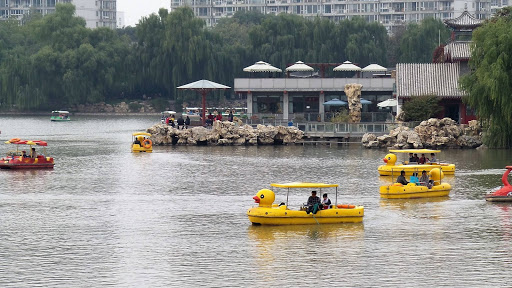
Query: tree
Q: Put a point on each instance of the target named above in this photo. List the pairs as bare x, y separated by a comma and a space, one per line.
489, 83
419, 40
421, 108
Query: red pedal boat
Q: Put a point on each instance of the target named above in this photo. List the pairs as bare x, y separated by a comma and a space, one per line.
504, 194
20, 159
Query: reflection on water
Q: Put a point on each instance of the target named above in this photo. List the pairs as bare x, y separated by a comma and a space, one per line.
107, 217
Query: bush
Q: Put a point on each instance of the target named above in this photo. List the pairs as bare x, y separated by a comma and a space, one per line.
134, 107
340, 117
160, 104
421, 108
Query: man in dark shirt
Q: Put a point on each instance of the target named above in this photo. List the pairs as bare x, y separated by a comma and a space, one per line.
312, 201
181, 123
401, 179
411, 158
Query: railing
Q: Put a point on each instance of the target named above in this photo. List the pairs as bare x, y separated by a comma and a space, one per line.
277, 119
341, 129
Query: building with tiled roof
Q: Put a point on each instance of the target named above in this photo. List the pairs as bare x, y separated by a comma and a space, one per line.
440, 79
465, 22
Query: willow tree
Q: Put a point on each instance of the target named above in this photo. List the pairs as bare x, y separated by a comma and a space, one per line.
489, 83
419, 40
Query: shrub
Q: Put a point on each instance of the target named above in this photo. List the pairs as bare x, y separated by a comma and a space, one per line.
134, 107
160, 104
421, 108
340, 117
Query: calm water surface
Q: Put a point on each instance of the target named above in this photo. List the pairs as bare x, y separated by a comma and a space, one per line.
177, 217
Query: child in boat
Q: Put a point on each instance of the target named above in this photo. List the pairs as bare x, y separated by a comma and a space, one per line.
326, 201
414, 178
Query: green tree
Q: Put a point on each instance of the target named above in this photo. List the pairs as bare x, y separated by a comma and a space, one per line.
419, 40
421, 108
489, 83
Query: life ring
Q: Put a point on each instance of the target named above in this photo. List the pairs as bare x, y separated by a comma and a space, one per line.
147, 143
13, 140
346, 206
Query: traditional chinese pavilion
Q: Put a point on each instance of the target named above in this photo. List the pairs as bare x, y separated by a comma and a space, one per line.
442, 79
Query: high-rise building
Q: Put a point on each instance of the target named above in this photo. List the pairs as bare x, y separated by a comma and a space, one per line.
388, 12
97, 13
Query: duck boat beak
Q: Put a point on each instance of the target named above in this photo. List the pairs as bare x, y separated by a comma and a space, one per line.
256, 199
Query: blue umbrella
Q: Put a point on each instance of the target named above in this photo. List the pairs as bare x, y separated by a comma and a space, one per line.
365, 102
335, 102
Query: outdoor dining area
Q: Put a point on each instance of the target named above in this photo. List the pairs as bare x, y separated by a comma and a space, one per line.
307, 70
316, 91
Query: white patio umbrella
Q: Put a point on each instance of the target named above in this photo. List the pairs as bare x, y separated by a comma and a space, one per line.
300, 67
347, 66
203, 87
261, 66
388, 103
374, 68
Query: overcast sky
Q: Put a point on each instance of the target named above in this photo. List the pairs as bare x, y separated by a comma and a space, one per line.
135, 9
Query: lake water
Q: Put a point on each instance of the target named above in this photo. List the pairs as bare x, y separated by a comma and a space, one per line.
177, 217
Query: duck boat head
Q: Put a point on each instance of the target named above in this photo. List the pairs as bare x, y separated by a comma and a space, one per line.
390, 159
436, 175
265, 198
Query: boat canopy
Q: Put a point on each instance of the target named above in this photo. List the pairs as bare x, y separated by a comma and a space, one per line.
424, 151
303, 185
28, 142
168, 112
60, 111
141, 134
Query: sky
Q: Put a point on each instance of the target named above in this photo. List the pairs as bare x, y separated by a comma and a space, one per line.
136, 9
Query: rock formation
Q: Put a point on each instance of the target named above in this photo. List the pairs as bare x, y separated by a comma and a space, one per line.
432, 133
225, 133
353, 92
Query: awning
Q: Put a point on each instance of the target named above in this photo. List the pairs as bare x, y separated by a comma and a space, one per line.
374, 68
261, 66
347, 66
388, 103
335, 102
299, 66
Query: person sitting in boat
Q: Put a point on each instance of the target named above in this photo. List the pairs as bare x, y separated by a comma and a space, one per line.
401, 179
313, 204
24, 154
424, 180
137, 141
411, 158
414, 178
326, 201
423, 159
433, 158
33, 154
416, 158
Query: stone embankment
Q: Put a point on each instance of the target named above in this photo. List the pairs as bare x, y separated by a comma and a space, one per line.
433, 133
225, 133
120, 108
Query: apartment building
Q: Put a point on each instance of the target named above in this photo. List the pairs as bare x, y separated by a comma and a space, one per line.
390, 13
97, 13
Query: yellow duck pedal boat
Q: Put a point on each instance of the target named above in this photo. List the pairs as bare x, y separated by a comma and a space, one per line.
141, 142
391, 167
268, 213
412, 190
